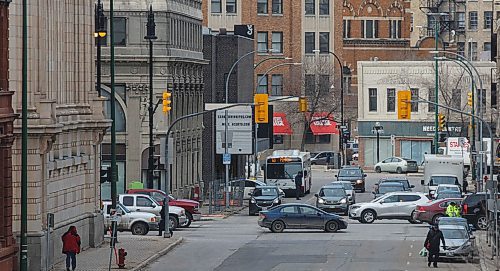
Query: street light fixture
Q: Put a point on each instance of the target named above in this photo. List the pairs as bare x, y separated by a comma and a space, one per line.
99, 34
378, 129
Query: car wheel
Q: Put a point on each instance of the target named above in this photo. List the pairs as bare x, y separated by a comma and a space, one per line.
140, 228
482, 222
412, 221
368, 216
399, 170
331, 226
436, 218
277, 226
378, 170
189, 219
173, 222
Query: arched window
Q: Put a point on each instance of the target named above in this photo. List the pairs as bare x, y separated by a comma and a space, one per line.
119, 113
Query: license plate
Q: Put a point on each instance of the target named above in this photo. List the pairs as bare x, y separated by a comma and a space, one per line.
264, 208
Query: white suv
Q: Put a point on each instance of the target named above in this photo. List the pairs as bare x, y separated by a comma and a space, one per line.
394, 205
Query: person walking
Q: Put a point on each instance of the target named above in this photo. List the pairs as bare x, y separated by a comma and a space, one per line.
452, 210
71, 247
298, 184
432, 242
161, 227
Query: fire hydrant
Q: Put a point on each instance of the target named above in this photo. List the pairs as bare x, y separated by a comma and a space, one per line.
121, 258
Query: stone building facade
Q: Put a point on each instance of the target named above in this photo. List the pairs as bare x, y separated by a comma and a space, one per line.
178, 68
66, 125
7, 244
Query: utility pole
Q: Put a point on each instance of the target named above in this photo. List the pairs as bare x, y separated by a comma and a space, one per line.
151, 35
24, 144
436, 87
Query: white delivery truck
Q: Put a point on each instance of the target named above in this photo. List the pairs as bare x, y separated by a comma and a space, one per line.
442, 169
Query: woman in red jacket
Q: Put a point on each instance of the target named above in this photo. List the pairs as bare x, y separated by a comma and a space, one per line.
71, 247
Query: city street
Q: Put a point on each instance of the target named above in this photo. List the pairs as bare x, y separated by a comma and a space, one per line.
238, 243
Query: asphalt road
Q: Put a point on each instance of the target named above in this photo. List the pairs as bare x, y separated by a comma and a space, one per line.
238, 243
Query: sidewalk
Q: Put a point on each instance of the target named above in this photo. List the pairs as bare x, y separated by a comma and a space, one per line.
485, 252
141, 250
216, 215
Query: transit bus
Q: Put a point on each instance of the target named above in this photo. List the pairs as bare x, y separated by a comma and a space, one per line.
282, 167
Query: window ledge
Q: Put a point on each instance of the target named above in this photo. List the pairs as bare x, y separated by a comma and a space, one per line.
262, 14
277, 14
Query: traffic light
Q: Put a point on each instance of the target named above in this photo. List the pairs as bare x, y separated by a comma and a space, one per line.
105, 174
302, 104
469, 98
441, 121
404, 105
261, 102
166, 101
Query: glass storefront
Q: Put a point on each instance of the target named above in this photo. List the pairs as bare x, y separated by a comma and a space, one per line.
415, 150
370, 150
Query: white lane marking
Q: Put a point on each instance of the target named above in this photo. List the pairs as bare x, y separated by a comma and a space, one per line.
409, 254
407, 263
411, 246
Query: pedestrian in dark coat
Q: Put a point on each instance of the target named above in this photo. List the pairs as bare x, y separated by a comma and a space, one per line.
161, 227
432, 242
71, 247
298, 184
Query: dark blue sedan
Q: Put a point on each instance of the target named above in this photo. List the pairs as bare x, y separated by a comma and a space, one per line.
300, 216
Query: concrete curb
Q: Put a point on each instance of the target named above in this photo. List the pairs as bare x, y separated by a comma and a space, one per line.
158, 255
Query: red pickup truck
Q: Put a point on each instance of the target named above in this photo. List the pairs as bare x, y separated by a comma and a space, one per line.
191, 206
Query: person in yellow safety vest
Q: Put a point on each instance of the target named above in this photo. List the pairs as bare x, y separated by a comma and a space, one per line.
452, 210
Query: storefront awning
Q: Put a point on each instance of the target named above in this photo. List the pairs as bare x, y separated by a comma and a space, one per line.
322, 124
280, 124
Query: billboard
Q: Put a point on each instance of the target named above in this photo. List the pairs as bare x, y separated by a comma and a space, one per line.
239, 130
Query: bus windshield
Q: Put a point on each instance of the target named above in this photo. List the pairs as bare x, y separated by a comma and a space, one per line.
283, 170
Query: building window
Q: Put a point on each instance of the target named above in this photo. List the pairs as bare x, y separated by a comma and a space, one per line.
414, 97
277, 85
324, 42
277, 42
120, 31
310, 42
461, 20
216, 6
473, 51
487, 47
473, 20
347, 29
391, 100
372, 100
230, 6
456, 98
316, 139
461, 48
262, 83
309, 5
395, 29
261, 6
488, 19
324, 7
369, 29
277, 6
431, 96
262, 46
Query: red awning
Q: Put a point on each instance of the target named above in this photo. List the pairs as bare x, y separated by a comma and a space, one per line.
280, 124
323, 124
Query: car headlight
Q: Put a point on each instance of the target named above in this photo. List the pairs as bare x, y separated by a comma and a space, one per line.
276, 200
153, 219
355, 207
321, 201
344, 200
252, 200
359, 181
432, 192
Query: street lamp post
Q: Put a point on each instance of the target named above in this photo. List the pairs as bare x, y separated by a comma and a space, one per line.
151, 35
99, 34
378, 129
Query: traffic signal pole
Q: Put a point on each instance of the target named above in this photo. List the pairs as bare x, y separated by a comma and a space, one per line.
151, 35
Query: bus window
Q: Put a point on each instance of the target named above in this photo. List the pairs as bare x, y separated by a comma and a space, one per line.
283, 171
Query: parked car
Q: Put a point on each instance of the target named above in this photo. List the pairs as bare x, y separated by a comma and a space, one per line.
332, 199
145, 203
300, 216
349, 189
394, 205
402, 180
190, 206
456, 221
321, 157
474, 209
445, 189
459, 243
432, 211
139, 223
387, 187
396, 164
354, 175
263, 198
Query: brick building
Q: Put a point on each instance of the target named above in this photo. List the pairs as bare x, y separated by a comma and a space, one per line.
7, 245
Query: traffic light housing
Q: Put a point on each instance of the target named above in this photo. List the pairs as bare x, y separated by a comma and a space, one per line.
261, 102
404, 104
167, 101
469, 99
441, 122
105, 174
302, 104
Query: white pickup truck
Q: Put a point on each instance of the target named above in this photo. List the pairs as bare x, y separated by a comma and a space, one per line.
139, 223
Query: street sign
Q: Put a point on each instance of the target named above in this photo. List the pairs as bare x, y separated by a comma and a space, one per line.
226, 158
393, 140
239, 130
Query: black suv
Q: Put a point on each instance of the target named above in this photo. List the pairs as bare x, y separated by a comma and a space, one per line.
353, 174
263, 198
474, 210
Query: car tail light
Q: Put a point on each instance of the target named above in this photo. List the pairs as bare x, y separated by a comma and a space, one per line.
421, 208
465, 207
